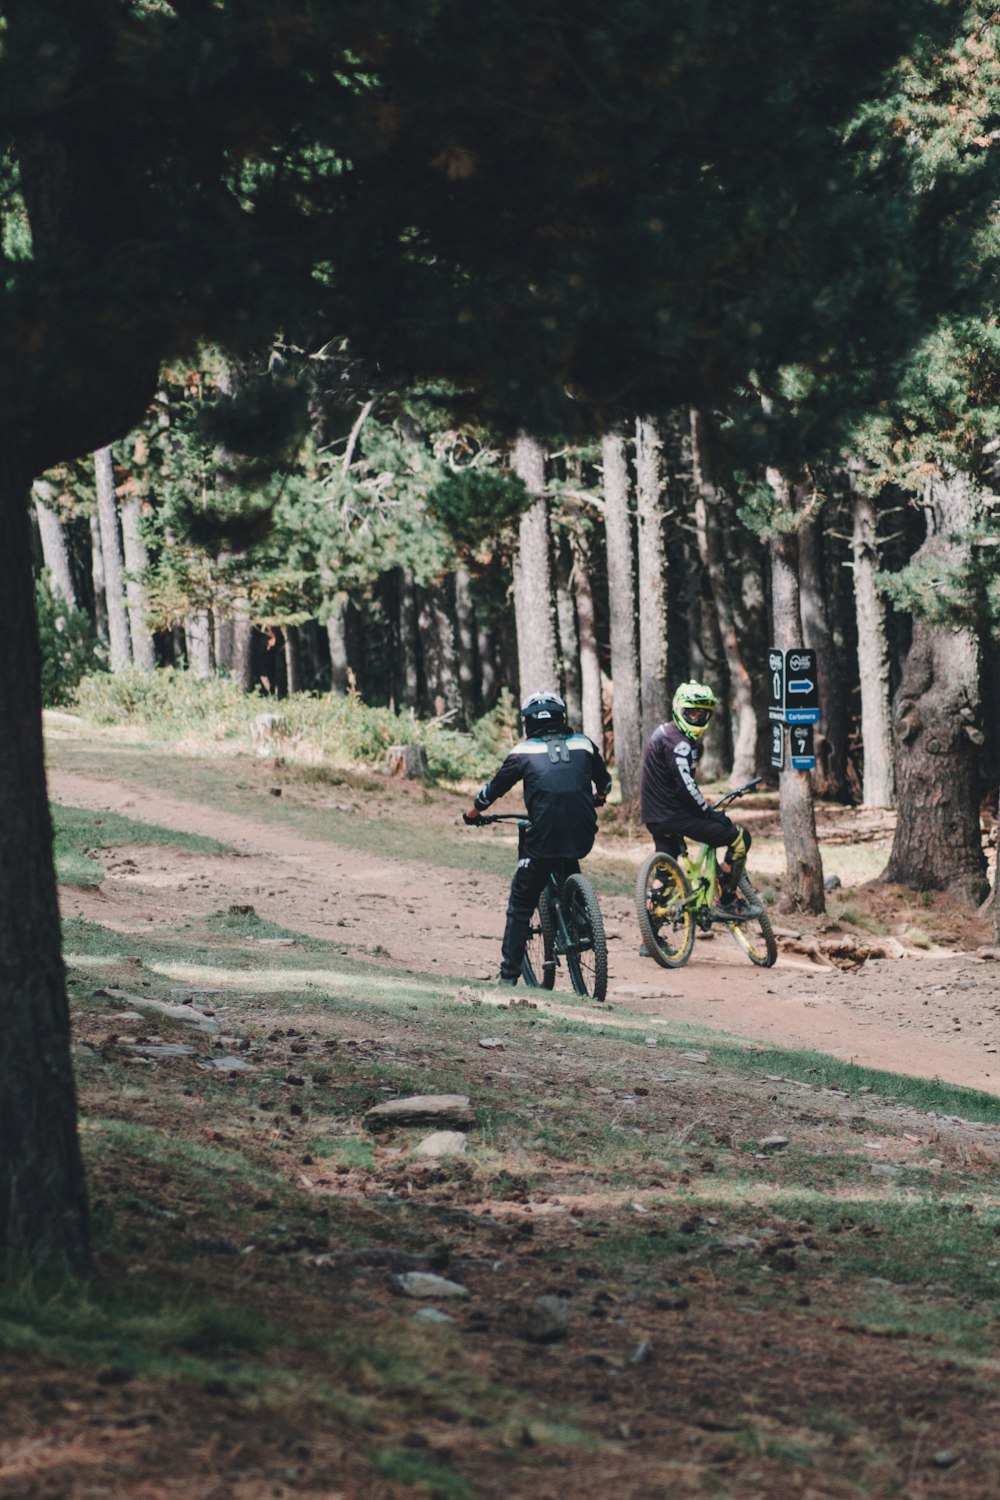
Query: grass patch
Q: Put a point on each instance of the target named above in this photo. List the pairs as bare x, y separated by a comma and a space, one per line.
78, 833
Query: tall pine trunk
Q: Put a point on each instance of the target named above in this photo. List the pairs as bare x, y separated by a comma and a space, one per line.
830, 734
336, 635
626, 708
652, 558
707, 506
114, 562
878, 774
55, 552
803, 865
198, 637
43, 1203
569, 640
537, 666
591, 699
936, 723
437, 638
293, 659
465, 645
136, 561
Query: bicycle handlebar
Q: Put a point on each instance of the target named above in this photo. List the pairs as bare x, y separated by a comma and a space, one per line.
738, 792
500, 818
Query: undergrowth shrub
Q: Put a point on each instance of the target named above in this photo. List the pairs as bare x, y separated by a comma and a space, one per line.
69, 645
170, 705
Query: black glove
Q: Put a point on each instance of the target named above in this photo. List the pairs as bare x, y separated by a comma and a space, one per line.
600, 801
472, 816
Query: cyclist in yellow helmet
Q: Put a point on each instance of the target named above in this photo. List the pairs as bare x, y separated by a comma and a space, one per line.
673, 807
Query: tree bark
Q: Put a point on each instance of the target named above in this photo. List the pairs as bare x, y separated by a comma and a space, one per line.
878, 774
626, 710
337, 638
803, 865
465, 640
43, 1203
54, 549
652, 555
198, 639
136, 561
97, 574
437, 637
487, 647
591, 695
537, 665
711, 549
569, 641
114, 564
936, 723
293, 659
830, 736
409, 674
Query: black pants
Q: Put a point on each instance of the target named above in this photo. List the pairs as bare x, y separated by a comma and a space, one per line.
525, 889
714, 829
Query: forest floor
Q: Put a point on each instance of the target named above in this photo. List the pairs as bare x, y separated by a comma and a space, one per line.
759, 1207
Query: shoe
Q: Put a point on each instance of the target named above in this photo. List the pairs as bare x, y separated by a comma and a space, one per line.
510, 983
644, 951
737, 909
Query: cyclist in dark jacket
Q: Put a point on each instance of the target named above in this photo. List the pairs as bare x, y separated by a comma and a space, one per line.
559, 771
673, 807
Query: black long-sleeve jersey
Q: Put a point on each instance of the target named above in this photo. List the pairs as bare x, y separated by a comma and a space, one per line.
559, 773
669, 789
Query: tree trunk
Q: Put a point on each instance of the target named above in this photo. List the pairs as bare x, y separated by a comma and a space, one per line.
569, 642
293, 661
830, 735
803, 865
337, 638
242, 646
537, 666
878, 776
198, 638
437, 637
136, 561
626, 711
97, 574
591, 696
652, 554
43, 1203
409, 675
54, 549
465, 637
487, 647
114, 565
935, 722
707, 504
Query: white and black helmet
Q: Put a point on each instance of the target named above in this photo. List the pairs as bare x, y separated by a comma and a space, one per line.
543, 713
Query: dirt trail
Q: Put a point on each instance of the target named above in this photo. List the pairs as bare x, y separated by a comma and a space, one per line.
930, 1016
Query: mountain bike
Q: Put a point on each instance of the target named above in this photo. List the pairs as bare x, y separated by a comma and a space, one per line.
566, 924
677, 893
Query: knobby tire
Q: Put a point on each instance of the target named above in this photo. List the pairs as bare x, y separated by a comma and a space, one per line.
588, 965
538, 967
667, 926
756, 937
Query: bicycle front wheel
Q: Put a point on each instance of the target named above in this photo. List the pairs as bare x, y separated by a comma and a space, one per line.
662, 894
587, 954
538, 966
755, 937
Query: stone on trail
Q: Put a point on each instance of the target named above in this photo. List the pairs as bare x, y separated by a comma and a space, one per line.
492, 1043
773, 1143
426, 1284
185, 1013
441, 1143
545, 1321
421, 1109
432, 1315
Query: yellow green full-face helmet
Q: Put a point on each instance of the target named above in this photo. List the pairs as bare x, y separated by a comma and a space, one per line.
693, 705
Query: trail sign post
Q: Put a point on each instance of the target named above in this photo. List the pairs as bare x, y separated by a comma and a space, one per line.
792, 685
778, 747
803, 751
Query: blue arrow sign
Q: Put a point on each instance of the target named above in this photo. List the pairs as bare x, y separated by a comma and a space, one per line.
800, 685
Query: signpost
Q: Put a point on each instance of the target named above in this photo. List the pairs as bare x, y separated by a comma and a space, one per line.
803, 750
778, 747
793, 685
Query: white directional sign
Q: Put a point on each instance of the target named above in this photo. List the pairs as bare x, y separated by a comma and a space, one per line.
778, 747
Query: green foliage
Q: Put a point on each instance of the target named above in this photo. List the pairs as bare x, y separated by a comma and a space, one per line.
170, 705
476, 503
69, 645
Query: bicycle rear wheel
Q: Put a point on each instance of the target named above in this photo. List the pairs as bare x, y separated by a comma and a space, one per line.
538, 966
587, 955
756, 937
661, 896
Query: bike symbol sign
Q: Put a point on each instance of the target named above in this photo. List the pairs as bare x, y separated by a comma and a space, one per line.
778, 747
803, 750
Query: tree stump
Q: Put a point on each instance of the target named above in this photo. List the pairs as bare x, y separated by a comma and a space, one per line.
408, 761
